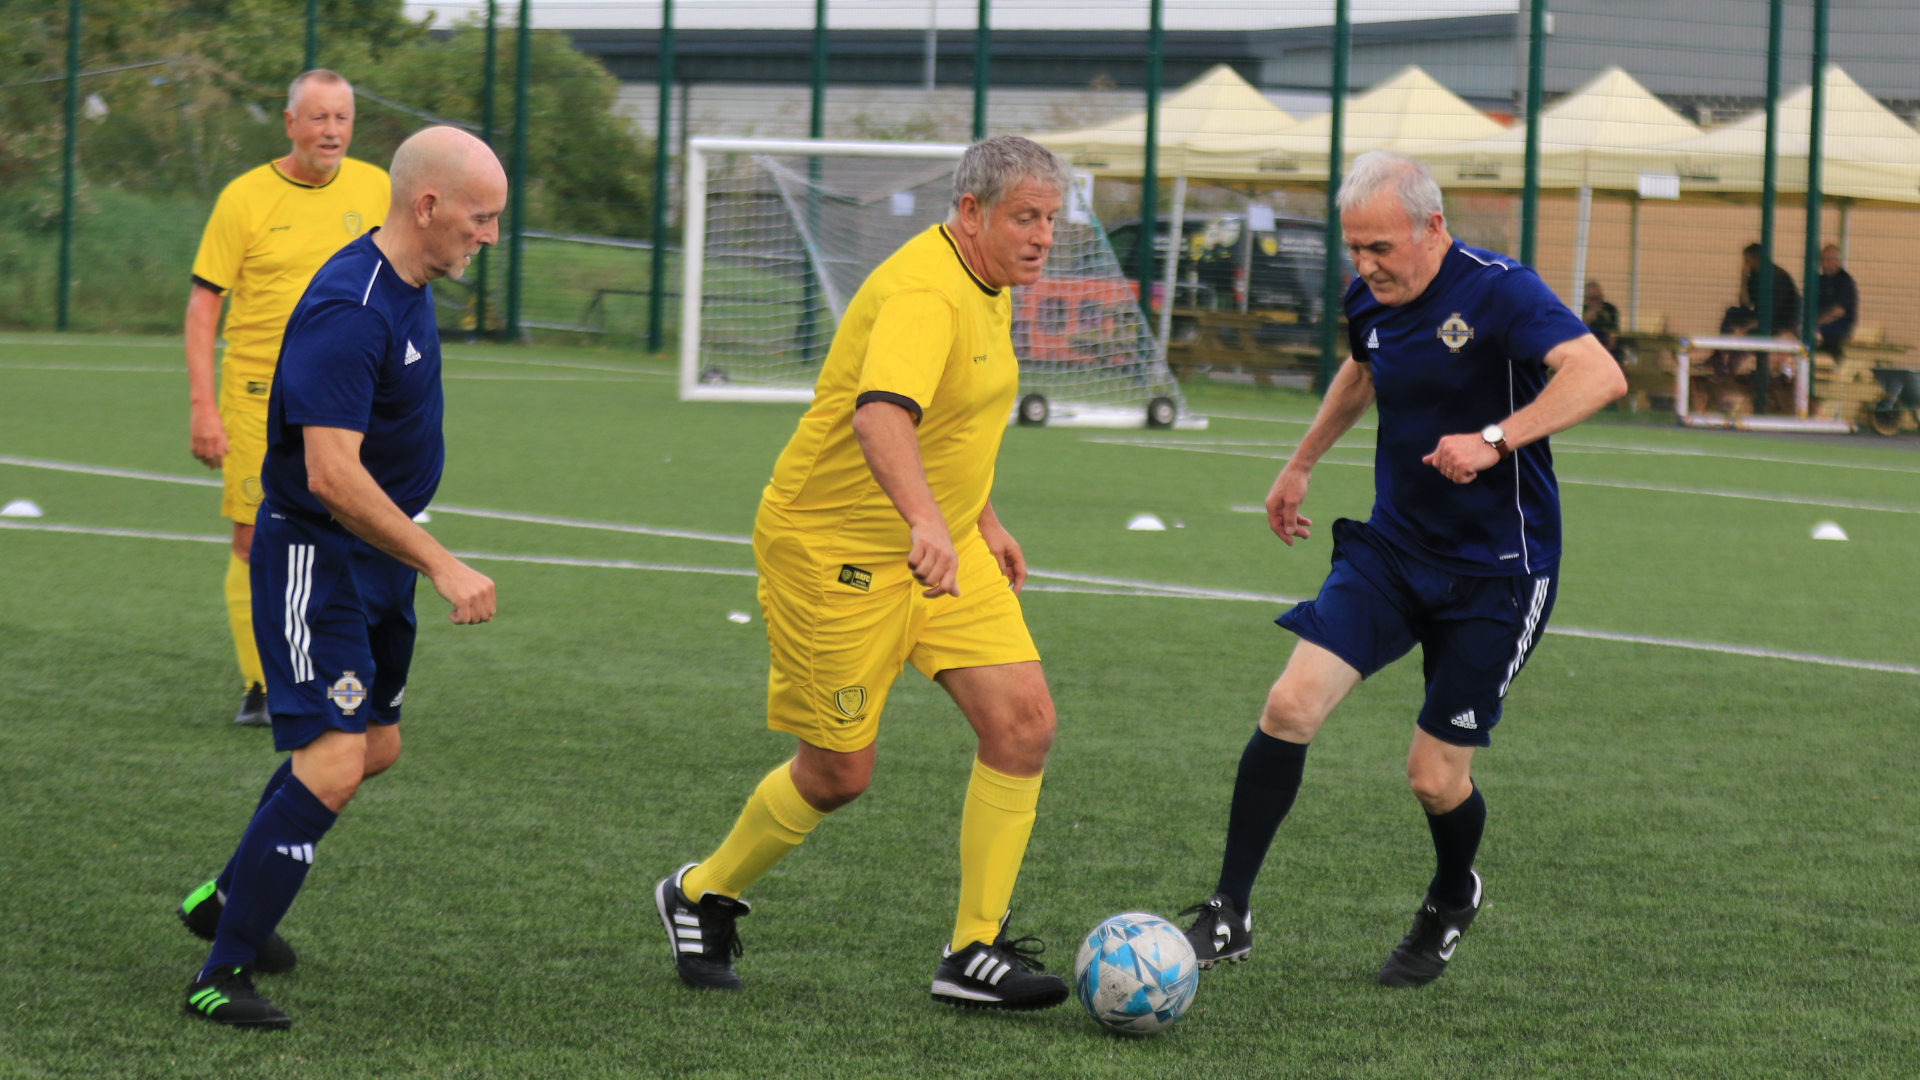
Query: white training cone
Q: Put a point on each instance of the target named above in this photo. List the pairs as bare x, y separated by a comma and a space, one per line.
1146, 523
1828, 530
739, 617
422, 517
22, 508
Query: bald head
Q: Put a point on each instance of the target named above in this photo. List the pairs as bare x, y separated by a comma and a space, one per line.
448, 192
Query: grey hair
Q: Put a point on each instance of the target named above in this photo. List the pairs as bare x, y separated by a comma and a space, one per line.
317, 75
992, 167
1379, 170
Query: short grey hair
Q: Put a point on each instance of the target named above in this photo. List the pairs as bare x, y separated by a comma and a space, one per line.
1379, 170
992, 167
317, 75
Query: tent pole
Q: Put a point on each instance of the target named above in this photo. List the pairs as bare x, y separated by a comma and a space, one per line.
1150, 166
1583, 229
1769, 194
1177, 233
1245, 300
1330, 291
1633, 274
1846, 231
1816, 146
1536, 74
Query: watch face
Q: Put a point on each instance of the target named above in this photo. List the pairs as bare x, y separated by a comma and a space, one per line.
1492, 433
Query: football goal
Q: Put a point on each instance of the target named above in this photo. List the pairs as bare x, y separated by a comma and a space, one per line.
780, 234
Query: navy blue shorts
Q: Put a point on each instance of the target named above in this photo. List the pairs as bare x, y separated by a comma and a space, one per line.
1474, 633
333, 619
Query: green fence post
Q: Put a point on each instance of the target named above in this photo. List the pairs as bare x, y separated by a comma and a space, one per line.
982, 61
1769, 194
517, 247
657, 283
1330, 292
70, 163
1816, 150
486, 136
312, 54
817, 117
1536, 76
1143, 252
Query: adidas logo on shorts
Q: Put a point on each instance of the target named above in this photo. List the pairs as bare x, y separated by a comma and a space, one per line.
1465, 720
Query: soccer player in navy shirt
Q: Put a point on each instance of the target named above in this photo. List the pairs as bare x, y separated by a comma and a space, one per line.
354, 451
1473, 362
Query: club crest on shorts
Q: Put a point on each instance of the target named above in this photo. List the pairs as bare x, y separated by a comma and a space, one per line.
347, 692
856, 577
852, 701
1455, 333
351, 219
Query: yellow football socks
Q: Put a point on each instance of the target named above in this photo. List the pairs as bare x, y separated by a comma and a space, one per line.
773, 823
240, 615
994, 829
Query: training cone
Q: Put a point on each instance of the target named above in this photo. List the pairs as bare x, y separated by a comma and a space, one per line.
1146, 523
1828, 530
22, 508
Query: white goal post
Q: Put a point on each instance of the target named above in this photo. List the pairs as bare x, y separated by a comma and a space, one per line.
780, 234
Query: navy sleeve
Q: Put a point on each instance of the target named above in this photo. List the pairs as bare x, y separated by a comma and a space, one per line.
1356, 325
330, 365
1534, 320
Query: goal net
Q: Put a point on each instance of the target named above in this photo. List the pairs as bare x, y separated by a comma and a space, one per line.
780, 234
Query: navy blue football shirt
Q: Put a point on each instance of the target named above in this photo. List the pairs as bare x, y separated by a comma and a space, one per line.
361, 352
1467, 352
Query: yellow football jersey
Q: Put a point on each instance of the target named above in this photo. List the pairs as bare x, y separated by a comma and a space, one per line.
266, 238
927, 335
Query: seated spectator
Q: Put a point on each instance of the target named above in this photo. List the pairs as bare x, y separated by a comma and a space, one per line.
1839, 303
1786, 297
1602, 319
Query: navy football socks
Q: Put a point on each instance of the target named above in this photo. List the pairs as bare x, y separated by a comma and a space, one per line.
1263, 792
269, 868
224, 883
1456, 840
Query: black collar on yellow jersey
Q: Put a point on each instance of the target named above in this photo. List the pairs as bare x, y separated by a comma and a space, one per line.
948, 237
275, 166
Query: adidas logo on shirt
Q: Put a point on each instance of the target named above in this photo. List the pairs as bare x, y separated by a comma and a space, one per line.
1464, 720
296, 852
412, 353
1373, 339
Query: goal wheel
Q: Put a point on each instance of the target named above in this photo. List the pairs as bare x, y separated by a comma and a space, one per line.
1161, 413
1885, 421
1034, 410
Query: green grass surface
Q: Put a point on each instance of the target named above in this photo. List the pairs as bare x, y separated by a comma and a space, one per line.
1698, 864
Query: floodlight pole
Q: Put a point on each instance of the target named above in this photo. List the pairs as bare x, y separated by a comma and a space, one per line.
70, 163
516, 251
982, 66
1150, 171
657, 282
1816, 153
311, 57
1769, 193
488, 74
1536, 76
1330, 291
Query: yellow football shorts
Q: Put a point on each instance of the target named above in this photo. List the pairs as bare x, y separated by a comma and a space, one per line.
243, 409
839, 633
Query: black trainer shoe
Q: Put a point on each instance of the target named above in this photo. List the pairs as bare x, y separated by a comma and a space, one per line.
228, 997
1422, 955
253, 708
701, 935
1222, 934
1003, 975
200, 914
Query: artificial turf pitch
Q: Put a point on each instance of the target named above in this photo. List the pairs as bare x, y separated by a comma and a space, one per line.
1697, 863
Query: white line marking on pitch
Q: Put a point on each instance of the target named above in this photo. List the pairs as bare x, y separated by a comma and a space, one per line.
530, 362
104, 470
1142, 589
1628, 485
90, 367
579, 523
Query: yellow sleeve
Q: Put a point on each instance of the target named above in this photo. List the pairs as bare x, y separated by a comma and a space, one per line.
224, 244
907, 351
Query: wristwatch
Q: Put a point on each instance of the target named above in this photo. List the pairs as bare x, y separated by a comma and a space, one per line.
1497, 439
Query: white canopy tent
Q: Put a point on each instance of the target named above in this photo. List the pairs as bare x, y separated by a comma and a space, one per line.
1219, 104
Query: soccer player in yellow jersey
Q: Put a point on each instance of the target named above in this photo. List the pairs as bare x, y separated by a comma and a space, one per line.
271, 230
877, 545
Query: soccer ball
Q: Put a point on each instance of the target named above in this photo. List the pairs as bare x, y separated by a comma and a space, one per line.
1136, 974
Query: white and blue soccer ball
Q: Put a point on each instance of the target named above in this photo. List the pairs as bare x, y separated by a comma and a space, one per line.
1136, 974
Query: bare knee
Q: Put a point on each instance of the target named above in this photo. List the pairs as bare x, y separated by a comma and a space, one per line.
332, 766
1017, 740
1438, 789
383, 749
242, 541
1291, 715
830, 780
